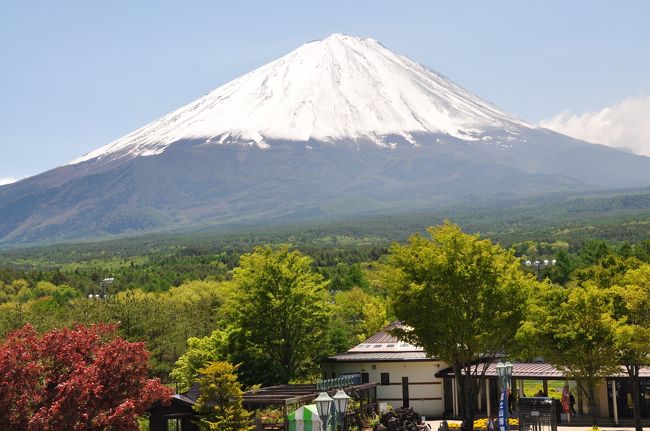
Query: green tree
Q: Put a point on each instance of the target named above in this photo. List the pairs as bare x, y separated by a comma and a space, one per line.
608, 272
593, 251
12, 317
220, 404
642, 251
632, 336
200, 352
561, 271
357, 315
278, 316
574, 329
462, 299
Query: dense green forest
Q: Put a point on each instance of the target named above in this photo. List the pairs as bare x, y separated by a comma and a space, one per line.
169, 288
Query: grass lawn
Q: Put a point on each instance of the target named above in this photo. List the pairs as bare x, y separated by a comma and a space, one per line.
555, 387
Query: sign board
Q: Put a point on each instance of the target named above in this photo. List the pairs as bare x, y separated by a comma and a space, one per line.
503, 405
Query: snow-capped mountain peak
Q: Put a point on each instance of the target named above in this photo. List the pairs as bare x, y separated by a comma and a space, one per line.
340, 87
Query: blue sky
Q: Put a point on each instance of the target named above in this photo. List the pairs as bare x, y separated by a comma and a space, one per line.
76, 75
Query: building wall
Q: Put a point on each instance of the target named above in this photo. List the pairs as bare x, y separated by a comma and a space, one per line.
425, 389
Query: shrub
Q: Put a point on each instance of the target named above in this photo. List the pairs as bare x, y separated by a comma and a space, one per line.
402, 419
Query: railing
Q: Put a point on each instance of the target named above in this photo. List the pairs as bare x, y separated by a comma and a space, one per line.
338, 382
271, 427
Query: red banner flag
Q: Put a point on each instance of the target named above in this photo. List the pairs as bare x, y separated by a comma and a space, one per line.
566, 406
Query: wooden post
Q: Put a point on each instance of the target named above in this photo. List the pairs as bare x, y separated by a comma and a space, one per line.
285, 410
579, 394
545, 386
614, 402
454, 392
480, 396
488, 402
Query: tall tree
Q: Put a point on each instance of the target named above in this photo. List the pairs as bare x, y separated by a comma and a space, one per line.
220, 404
199, 353
632, 336
357, 315
462, 299
574, 329
278, 316
82, 379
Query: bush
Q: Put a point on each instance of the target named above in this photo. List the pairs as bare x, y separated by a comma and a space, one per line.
402, 419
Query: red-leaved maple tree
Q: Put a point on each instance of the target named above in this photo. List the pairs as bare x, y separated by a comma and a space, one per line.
76, 379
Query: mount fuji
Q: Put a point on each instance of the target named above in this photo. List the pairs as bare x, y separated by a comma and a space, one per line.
338, 126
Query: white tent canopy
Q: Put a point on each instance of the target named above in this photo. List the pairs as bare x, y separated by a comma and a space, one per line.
305, 419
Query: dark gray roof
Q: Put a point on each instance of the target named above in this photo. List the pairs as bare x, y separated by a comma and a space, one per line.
383, 346
190, 396
534, 370
383, 336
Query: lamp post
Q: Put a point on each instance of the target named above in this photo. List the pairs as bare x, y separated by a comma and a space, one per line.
341, 400
504, 373
323, 405
104, 284
539, 264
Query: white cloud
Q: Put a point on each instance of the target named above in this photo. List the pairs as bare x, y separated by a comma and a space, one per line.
625, 125
8, 180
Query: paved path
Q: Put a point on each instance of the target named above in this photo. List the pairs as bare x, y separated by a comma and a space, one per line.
582, 427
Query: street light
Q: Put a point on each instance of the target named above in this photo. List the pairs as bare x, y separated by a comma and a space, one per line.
323, 405
341, 402
504, 373
539, 264
104, 284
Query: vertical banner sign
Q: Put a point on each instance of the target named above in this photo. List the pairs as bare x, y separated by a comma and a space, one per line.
503, 405
566, 407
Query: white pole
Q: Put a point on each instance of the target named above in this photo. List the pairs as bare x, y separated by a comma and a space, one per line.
614, 403
455, 400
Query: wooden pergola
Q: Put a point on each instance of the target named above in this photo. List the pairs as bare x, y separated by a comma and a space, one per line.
291, 397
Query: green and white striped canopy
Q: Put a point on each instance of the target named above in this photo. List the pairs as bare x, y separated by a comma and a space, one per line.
305, 419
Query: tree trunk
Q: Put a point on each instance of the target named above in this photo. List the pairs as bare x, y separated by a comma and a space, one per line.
460, 388
467, 392
467, 385
470, 402
590, 393
592, 402
633, 372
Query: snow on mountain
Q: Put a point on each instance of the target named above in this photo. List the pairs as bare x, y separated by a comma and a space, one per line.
341, 87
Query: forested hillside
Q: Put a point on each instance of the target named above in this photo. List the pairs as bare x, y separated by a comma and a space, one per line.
167, 289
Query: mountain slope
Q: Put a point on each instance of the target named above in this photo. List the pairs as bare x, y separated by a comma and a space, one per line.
341, 87
337, 126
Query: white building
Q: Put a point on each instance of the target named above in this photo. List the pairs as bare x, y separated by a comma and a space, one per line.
406, 376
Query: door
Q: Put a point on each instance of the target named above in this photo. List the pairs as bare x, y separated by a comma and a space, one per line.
405, 391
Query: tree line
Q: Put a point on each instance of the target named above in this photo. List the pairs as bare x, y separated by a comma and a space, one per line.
277, 312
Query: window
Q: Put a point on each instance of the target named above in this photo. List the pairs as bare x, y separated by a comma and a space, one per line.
174, 425
365, 378
385, 379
